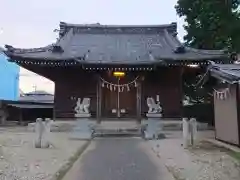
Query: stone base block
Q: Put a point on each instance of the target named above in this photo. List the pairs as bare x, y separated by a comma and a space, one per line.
82, 130
83, 115
81, 135
154, 115
153, 136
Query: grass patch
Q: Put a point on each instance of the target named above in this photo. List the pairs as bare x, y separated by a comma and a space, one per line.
63, 171
235, 155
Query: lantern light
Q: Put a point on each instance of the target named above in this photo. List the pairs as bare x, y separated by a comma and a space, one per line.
119, 74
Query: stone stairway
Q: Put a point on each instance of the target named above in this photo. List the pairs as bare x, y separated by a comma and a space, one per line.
117, 128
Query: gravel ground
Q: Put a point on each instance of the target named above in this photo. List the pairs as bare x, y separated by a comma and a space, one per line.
203, 162
19, 160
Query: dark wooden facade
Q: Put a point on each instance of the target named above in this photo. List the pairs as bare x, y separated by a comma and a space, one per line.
76, 82
165, 82
86, 54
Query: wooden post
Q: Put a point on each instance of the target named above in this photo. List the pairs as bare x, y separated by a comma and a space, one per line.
238, 110
99, 100
181, 89
54, 113
139, 94
97, 92
20, 116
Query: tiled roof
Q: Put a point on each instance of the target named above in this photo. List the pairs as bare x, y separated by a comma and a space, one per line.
115, 44
38, 96
226, 72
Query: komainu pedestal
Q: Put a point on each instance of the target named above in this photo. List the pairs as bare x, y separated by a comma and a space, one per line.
154, 116
83, 128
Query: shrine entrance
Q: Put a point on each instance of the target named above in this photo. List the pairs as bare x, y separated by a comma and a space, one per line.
119, 95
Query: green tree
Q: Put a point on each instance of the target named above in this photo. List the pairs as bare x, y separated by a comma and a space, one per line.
211, 24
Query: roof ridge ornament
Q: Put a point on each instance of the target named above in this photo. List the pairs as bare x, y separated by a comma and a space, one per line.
180, 50
151, 57
57, 49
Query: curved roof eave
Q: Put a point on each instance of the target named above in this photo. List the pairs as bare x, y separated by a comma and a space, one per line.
168, 52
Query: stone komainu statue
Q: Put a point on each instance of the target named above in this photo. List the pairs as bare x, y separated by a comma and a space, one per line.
82, 107
153, 106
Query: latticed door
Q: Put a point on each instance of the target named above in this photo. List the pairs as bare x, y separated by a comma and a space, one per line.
119, 97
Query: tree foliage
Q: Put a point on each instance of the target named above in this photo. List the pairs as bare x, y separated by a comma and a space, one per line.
211, 24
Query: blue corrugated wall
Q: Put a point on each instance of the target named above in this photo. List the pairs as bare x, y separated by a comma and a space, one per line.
9, 79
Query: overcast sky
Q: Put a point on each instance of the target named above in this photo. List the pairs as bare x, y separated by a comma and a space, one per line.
30, 23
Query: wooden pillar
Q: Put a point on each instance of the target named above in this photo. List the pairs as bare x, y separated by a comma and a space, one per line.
97, 92
181, 88
139, 95
238, 111
54, 102
20, 116
99, 100
54, 112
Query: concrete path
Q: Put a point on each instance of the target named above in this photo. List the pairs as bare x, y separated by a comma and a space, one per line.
118, 159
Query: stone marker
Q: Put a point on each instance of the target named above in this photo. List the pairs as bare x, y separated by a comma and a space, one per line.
46, 133
185, 128
193, 130
38, 131
42, 130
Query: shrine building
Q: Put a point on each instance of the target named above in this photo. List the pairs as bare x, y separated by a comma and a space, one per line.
117, 66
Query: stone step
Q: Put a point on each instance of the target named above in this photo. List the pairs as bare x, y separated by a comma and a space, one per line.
66, 126
115, 133
177, 125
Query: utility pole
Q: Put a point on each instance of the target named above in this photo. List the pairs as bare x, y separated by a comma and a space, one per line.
35, 88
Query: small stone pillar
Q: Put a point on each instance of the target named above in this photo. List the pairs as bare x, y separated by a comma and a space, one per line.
185, 128
193, 131
39, 132
46, 133
42, 130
